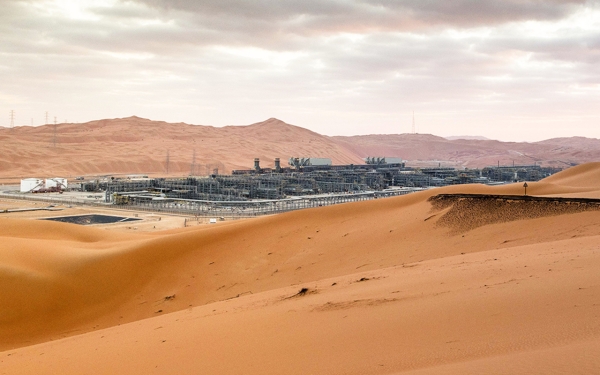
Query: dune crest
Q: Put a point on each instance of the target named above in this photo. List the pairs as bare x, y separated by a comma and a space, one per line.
388, 286
585, 176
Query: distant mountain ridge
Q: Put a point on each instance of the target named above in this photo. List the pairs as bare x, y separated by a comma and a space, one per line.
420, 149
135, 145
467, 137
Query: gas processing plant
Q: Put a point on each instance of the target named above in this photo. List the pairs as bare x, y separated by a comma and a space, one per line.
306, 182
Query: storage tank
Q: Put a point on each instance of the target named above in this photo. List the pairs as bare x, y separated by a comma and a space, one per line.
277, 165
31, 184
56, 182
392, 160
319, 161
303, 162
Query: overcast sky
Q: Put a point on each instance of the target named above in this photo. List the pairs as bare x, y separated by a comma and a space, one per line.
508, 70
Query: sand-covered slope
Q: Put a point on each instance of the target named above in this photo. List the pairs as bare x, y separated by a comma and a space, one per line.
381, 287
136, 145
475, 153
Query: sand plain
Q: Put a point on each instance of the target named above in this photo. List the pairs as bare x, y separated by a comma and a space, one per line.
391, 286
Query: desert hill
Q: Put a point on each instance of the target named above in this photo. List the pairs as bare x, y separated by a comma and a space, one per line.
391, 286
467, 137
134, 145
580, 143
475, 153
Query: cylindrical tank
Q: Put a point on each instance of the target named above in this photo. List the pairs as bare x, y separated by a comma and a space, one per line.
319, 161
277, 165
56, 182
31, 184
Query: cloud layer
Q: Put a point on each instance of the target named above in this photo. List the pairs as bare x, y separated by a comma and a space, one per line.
518, 69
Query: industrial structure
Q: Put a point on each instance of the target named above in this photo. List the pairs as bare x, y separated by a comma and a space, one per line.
38, 185
29, 185
306, 183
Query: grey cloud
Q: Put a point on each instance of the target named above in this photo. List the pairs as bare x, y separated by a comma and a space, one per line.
280, 25
291, 25
476, 12
341, 15
400, 54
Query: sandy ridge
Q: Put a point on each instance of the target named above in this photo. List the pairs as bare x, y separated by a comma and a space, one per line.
389, 289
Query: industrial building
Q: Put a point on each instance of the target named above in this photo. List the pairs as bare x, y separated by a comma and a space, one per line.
38, 185
305, 177
307, 182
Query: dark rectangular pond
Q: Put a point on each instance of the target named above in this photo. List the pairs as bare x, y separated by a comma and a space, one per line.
92, 219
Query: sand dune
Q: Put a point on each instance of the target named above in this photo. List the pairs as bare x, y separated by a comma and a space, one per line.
378, 287
135, 145
586, 176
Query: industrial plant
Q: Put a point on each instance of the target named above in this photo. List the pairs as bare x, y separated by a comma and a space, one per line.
305, 182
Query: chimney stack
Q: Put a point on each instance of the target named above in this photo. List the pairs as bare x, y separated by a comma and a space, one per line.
257, 164
277, 165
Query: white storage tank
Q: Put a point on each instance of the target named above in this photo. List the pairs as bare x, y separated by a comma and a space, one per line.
303, 162
56, 182
319, 161
390, 160
31, 184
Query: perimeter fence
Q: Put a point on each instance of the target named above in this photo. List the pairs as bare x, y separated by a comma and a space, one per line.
216, 209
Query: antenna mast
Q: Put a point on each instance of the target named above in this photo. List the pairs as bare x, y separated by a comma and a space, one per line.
193, 166
12, 118
414, 129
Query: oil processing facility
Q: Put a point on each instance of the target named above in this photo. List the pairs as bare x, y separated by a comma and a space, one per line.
306, 182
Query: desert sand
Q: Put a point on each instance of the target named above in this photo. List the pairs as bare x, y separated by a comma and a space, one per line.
135, 145
429, 150
391, 286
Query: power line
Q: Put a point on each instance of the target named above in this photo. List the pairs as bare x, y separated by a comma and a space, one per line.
193, 166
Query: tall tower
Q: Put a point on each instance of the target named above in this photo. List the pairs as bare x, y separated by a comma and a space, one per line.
414, 129
193, 166
12, 118
167, 162
46, 118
